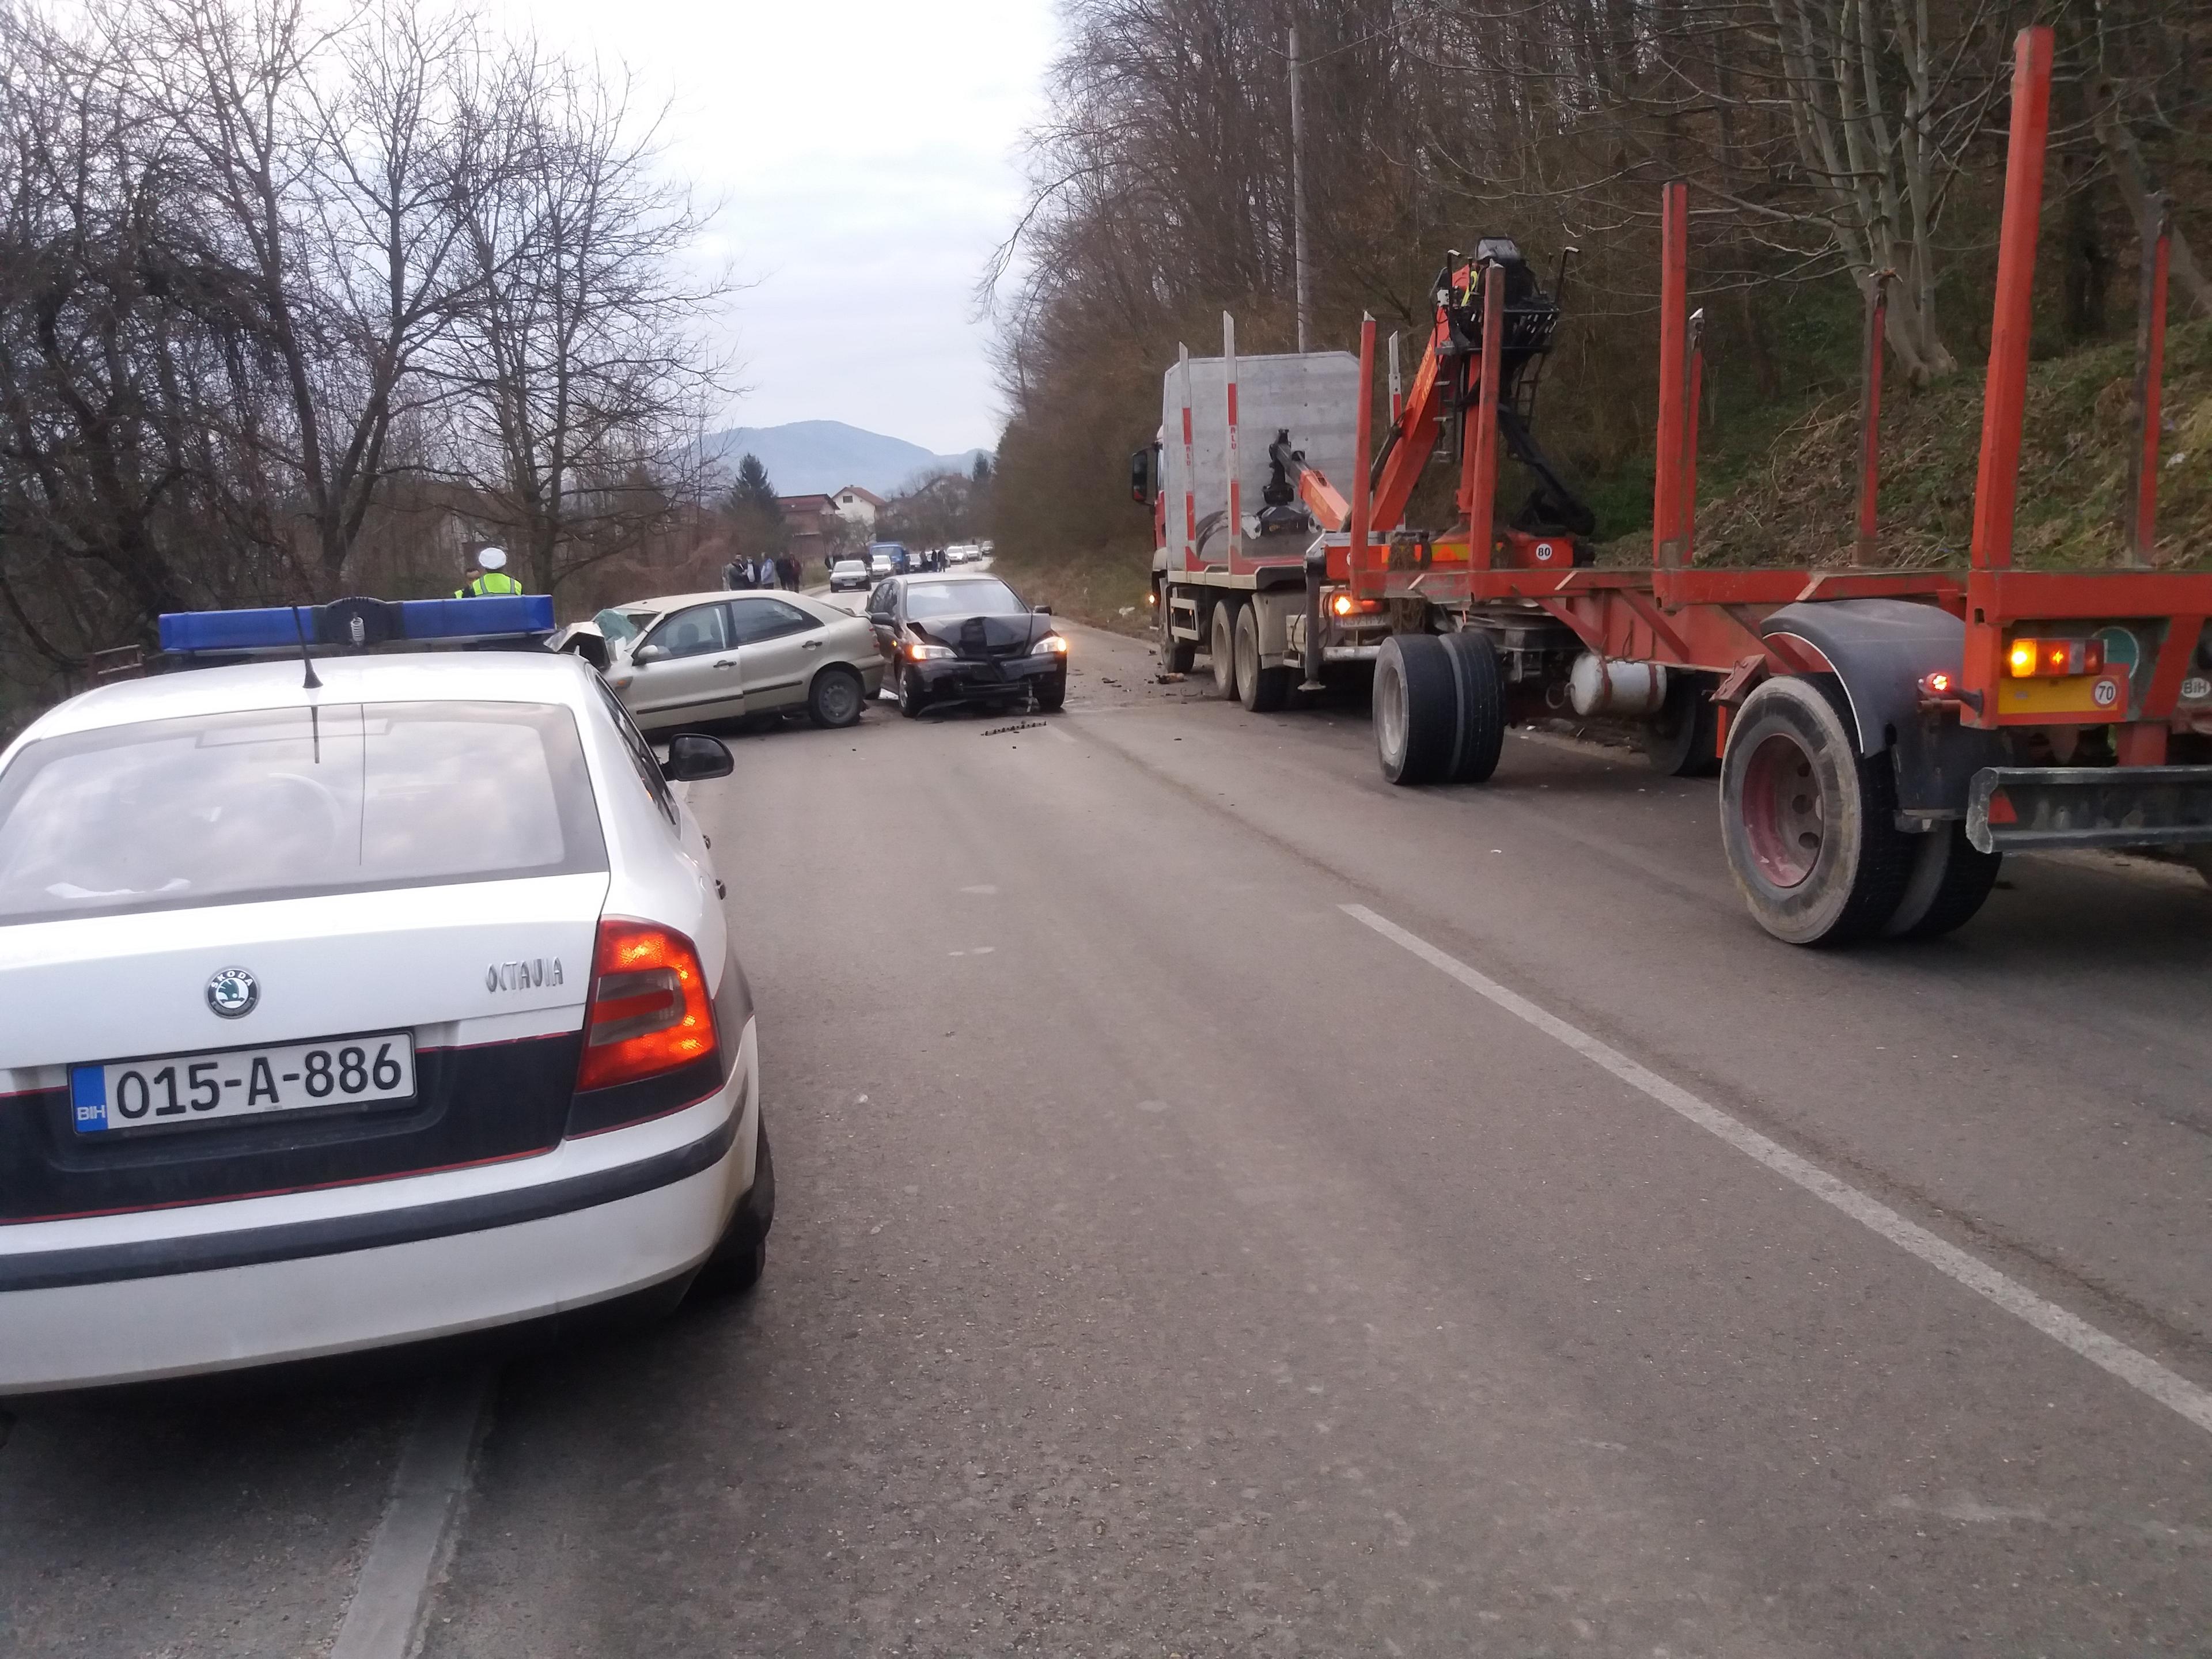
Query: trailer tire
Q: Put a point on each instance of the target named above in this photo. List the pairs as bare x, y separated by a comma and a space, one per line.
1682, 740
1806, 822
1262, 690
1176, 655
1948, 883
1479, 734
1416, 708
1224, 648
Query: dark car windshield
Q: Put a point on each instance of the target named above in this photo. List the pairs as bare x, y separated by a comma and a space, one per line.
986, 598
283, 803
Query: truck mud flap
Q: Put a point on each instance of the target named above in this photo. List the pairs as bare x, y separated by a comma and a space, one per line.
2017, 809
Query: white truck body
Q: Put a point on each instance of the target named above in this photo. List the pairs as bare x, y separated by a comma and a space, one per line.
1312, 395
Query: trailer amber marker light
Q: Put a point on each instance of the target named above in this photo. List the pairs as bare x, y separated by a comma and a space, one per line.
2054, 658
1937, 684
1342, 605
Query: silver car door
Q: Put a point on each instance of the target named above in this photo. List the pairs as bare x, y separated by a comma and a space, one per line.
779, 648
685, 670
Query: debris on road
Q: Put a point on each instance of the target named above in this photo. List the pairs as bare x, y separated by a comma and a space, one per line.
1018, 725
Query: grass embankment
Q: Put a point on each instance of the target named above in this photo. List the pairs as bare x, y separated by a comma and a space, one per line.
1795, 500
1103, 587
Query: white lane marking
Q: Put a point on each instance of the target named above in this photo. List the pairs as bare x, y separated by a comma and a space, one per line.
393, 1590
986, 888
2138, 1370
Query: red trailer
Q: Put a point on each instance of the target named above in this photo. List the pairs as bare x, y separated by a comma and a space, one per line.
1882, 736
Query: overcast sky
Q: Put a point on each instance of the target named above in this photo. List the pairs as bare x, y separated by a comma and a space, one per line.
864, 150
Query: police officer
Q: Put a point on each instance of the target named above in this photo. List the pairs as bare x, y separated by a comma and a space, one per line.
491, 577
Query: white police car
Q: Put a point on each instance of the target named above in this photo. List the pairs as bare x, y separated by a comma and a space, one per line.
397, 1007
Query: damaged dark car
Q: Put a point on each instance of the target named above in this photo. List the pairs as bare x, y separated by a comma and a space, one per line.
967, 639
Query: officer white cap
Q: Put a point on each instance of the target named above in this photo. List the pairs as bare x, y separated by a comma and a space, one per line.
493, 558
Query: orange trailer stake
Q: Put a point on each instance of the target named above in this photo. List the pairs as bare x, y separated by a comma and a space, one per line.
2004, 400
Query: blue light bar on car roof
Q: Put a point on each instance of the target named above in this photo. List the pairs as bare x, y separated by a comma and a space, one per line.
352, 624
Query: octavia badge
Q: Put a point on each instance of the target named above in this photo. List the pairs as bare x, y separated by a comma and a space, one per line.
232, 993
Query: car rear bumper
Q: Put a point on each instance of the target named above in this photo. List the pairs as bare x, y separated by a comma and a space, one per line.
220, 1286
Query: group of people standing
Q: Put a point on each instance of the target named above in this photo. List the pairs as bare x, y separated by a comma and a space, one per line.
741, 572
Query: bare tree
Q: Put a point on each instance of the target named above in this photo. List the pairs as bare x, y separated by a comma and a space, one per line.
578, 367
326, 165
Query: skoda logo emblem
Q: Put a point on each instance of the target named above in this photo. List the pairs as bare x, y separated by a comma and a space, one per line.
232, 993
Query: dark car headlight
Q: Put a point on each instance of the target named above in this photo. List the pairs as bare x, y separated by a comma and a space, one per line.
1053, 644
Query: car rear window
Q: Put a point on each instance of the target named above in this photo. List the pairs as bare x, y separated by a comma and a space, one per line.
283, 803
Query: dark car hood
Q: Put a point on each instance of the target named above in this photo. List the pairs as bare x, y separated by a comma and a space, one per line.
985, 636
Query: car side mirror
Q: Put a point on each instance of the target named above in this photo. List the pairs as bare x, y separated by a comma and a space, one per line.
646, 654
1044, 610
694, 756
592, 650
1141, 483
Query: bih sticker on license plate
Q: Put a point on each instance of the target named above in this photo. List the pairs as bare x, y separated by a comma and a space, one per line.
134, 1094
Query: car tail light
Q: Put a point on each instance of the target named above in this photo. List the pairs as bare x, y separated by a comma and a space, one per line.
649, 1010
2034, 659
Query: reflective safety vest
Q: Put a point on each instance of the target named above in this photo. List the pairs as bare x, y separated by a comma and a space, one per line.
487, 583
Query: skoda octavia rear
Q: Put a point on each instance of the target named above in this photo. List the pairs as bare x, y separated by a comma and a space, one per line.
387, 1009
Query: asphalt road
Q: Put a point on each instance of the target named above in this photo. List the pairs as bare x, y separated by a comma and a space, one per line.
1181, 1252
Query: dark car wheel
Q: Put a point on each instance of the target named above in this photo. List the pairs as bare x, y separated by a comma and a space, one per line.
741, 1257
914, 696
1051, 690
835, 697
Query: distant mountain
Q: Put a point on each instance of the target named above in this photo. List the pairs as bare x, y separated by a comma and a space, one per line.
806, 457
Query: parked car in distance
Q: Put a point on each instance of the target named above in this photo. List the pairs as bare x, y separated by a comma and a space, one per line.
966, 638
849, 573
694, 657
962, 553
897, 560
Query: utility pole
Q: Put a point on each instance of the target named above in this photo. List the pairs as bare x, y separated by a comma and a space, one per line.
1298, 191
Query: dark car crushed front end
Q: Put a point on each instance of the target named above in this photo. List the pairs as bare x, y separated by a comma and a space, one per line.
995, 652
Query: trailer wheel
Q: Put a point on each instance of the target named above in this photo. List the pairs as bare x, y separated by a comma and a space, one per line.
1176, 655
1806, 821
1479, 734
1262, 690
1224, 648
1948, 883
1416, 708
1682, 740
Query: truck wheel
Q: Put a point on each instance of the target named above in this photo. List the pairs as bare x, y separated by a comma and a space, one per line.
1224, 648
1479, 732
1176, 655
1806, 821
1682, 740
1948, 883
1262, 690
1416, 708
